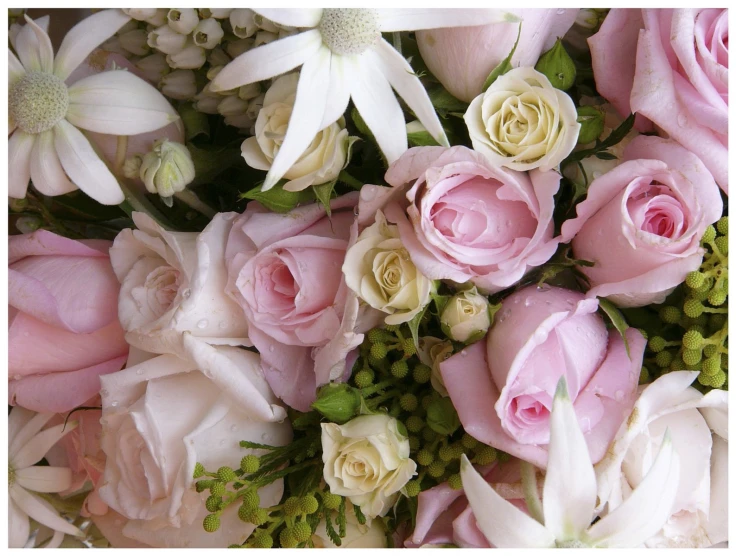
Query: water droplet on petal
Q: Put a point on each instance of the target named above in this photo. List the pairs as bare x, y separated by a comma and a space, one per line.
560, 12
682, 120
619, 395
463, 353
17, 377
114, 403
271, 348
528, 302
186, 293
222, 442
543, 288
139, 372
367, 193
233, 428
203, 323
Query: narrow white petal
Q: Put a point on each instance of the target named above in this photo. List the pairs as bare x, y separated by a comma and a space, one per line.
338, 93
84, 37
647, 509
268, 60
18, 418
32, 424
42, 512
412, 19
19, 526
44, 478
45, 50
42, 22
309, 107
35, 449
569, 485
503, 524
291, 17
33, 47
15, 68
118, 103
55, 541
20, 146
84, 167
379, 108
402, 78
47, 174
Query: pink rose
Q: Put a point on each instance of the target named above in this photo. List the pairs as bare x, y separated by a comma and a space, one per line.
470, 220
641, 223
680, 76
63, 331
463, 57
284, 270
503, 391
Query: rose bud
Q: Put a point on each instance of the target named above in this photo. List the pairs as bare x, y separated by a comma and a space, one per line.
466, 317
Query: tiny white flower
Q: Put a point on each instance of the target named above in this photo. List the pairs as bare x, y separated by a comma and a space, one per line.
179, 84
190, 57
208, 33
183, 20
167, 40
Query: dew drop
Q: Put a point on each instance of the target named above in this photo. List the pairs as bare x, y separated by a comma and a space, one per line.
186, 293
222, 442
682, 120
17, 377
463, 353
139, 372
299, 249
233, 428
26, 334
560, 12
355, 211
528, 302
222, 325
203, 323
619, 395
597, 175
368, 193
271, 348
543, 288
302, 266
114, 403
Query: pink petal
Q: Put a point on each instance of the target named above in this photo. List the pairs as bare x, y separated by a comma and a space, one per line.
43, 242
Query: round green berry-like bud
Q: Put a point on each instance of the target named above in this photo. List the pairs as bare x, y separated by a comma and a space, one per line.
712, 365
292, 506
262, 540
436, 469
695, 279
211, 523
657, 344
677, 364
331, 501
258, 517
414, 424
286, 539
693, 308
251, 499
363, 378
455, 482
692, 356
226, 474
422, 373
309, 504
213, 503
468, 441
709, 235
412, 489
250, 464
408, 347
425, 457
301, 531
198, 470
663, 359
392, 327
376, 336
715, 381
485, 455
217, 488
722, 244
644, 376
427, 401
722, 225
692, 339
710, 350
700, 295
717, 297
408, 402
414, 443
716, 321
428, 434
446, 453
379, 351
644, 333
399, 368
670, 314
203, 485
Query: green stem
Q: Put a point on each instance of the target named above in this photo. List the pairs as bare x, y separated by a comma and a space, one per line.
375, 402
378, 387
120, 154
190, 198
349, 180
139, 203
531, 495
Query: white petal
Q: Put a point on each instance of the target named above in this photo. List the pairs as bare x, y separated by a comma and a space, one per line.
20, 146
647, 509
18, 418
34, 47
56, 540
402, 78
84, 167
309, 107
32, 424
569, 485
268, 60
300, 17
19, 526
84, 37
35, 449
44, 479
118, 103
379, 108
411, 19
46, 172
41, 511
15, 68
338, 93
503, 524
15, 28
717, 525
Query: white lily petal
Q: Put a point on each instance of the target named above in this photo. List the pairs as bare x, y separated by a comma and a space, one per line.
84, 167
28, 48
569, 485
379, 108
45, 50
84, 37
292, 17
413, 19
35, 449
14, 31
647, 509
24, 425
44, 478
19, 526
402, 78
20, 146
503, 524
338, 93
118, 103
309, 107
268, 60
43, 513
46, 172
15, 68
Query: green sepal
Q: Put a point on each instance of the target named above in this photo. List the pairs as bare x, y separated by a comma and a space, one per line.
617, 319
504, 66
277, 198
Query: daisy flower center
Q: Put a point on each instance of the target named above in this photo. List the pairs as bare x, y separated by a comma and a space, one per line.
11, 474
349, 31
38, 101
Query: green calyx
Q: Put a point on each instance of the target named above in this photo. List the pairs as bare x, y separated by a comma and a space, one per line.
558, 67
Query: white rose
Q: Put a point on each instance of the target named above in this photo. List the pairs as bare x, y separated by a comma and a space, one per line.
370, 535
320, 163
162, 416
379, 270
522, 122
433, 351
699, 515
367, 460
174, 282
466, 317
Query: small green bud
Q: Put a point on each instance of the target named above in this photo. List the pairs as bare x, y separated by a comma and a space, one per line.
258, 517
557, 66
167, 169
657, 344
262, 540
286, 539
695, 279
198, 470
591, 121
399, 368
378, 335
408, 402
677, 364
447, 453
17, 205
422, 373
428, 434
663, 359
309, 504
693, 308
414, 443
414, 424
425, 457
722, 226
331, 501
436, 469
338, 402
701, 294
28, 224
485, 455
717, 297
392, 327
217, 488
442, 417
412, 489
709, 235
712, 365
301, 531
379, 351
408, 347
251, 500
213, 503
226, 474
201, 486
722, 244
644, 376
211, 523
710, 350
468, 441
455, 481
250, 464
692, 356
670, 314
716, 321
715, 381
693, 339
363, 378
292, 506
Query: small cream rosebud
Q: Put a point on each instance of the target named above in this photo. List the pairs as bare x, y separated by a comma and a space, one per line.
243, 23
466, 317
213, 71
153, 67
265, 24
167, 169
132, 167
135, 42
208, 33
183, 20
206, 104
191, 57
179, 84
113, 45
167, 40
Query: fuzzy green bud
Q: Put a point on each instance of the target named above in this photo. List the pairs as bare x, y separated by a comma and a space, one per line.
712, 365
692, 356
557, 66
412, 489
428, 434
591, 121
663, 359
485, 455
211, 523
213, 503
199, 470
338, 402
670, 314
425, 457
693, 308
455, 481
167, 169
408, 402
468, 441
442, 417
414, 443
436, 469
657, 344
692, 339
722, 244
422, 373
709, 235
251, 500
378, 335
715, 381
292, 506
695, 279
301, 531
379, 351
399, 368
286, 539
226, 474
258, 517
408, 347
309, 504
414, 424
722, 226
217, 488
262, 540
331, 501
717, 297
644, 376
363, 378
250, 464
710, 350
717, 320
203, 485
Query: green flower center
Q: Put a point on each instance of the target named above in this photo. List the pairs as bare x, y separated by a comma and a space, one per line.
38, 101
349, 31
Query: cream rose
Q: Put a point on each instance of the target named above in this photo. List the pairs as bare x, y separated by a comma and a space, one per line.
522, 122
466, 317
323, 159
433, 351
162, 416
174, 282
379, 270
367, 460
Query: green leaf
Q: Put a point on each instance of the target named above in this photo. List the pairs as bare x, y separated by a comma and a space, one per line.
195, 123
277, 198
359, 514
421, 139
443, 101
606, 156
211, 162
617, 319
414, 325
614, 138
440, 301
504, 66
334, 537
342, 521
323, 193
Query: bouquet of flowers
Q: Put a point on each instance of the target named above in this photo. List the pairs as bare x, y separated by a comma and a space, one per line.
368, 278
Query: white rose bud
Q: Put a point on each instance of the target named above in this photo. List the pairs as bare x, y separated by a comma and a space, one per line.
379, 270
183, 20
367, 460
433, 351
208, 33
153, 67
466, 317
522, 122
241, 121
191, 57
135, 42
167, 40
243, 23
179, 84
167, 169
236, 48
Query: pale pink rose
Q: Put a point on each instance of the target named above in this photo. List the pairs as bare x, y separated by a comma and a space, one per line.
670, 65
64, 332
284, 270
503, 390
463, 57
471, 221
641, 223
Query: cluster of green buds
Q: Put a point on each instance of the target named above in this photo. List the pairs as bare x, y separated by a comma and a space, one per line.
696, 317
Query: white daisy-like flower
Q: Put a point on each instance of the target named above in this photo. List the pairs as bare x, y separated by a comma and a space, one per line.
343, 56
28, 443
45, 112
